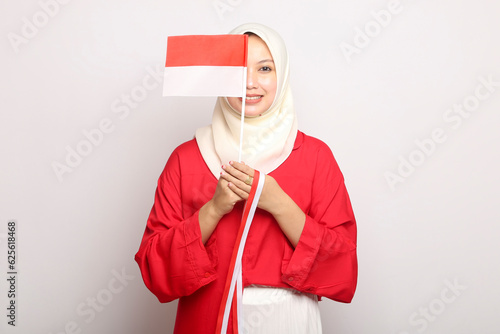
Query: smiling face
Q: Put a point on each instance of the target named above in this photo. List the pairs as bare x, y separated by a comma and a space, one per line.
261, 79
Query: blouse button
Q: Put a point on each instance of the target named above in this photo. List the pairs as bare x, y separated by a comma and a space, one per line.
290, 279
207, 274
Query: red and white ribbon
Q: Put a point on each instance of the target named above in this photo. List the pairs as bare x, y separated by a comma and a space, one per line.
233, 290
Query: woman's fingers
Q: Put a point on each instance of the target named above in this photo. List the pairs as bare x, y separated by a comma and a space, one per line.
238, 191
239, 174
235, 182
240, 166
228, 193
224, 197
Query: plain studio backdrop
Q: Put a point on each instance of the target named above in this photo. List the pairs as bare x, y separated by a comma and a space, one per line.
406, 93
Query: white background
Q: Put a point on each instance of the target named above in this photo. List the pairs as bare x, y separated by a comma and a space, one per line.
435, 227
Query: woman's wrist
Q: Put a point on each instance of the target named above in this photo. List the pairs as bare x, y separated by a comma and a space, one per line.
208, 219
287, 213
276, 201
213, 212
281, 207
210, 214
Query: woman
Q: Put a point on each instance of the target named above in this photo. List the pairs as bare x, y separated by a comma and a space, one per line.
302, 242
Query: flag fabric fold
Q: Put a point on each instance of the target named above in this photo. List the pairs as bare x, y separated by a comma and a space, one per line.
206, 65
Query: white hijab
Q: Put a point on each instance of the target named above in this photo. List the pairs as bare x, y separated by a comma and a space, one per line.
267, 139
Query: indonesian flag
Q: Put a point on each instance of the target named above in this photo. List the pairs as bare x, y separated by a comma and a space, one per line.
216, 65
206, 65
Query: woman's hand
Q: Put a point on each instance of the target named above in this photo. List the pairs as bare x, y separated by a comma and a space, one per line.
273, 199
221, 203
224, 198
240, 176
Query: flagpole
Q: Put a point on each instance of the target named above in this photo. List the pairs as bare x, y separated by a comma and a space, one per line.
243, 98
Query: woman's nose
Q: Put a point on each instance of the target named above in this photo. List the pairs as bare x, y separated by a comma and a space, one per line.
251, 79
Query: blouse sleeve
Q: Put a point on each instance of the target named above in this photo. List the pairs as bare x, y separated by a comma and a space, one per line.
324, 261
172, 258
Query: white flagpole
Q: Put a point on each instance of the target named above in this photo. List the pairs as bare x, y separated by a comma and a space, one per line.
243, 111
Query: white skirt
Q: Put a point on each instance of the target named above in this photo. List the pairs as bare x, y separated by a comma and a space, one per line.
270, 310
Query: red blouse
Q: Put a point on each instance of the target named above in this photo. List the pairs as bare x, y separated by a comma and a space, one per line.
175, 263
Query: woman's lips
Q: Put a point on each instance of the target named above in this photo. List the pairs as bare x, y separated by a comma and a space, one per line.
250, 99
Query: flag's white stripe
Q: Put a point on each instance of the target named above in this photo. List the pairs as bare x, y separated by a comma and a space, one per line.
239, 300
238, 266
229, 300
253, 207
204, 81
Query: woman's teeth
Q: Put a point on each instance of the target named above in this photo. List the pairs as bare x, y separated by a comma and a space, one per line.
253, 97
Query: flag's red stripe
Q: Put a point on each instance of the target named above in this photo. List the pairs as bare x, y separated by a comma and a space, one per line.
246, 212
225, 295
207, 50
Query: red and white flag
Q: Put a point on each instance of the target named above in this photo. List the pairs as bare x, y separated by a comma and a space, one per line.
206, 65
216, 65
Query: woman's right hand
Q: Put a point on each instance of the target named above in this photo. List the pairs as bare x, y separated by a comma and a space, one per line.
221, 203
224, 198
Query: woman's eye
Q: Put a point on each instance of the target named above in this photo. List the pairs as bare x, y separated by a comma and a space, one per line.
266, 69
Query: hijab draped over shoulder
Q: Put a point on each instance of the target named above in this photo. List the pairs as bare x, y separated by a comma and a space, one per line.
268, 139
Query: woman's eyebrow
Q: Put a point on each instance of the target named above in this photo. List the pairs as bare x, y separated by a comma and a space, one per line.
266, 61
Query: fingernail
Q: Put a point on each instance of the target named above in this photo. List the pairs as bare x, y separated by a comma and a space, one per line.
230, 162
